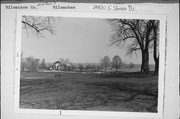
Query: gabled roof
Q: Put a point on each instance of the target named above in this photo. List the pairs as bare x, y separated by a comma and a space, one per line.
57, 62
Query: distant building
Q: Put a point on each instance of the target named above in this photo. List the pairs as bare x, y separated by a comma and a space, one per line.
60, 66
56, 65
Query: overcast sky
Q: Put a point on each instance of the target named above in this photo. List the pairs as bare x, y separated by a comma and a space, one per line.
82, 40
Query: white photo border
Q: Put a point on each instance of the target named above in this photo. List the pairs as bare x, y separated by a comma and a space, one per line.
161, 78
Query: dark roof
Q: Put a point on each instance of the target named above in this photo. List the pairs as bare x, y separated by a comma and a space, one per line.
57, 62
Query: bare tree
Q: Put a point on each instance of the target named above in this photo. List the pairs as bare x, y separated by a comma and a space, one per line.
135, 36
61, 60
106, 62
131, 65
116, 62
32, 63
38, 24
88, 68
155, 38
43, 64
80, 67
67, 64
24, 64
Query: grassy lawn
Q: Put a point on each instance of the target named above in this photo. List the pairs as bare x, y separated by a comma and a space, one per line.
134, 92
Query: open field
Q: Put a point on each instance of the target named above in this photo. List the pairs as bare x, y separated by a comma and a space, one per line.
134, 92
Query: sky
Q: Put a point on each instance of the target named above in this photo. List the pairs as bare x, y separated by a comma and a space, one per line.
82, 40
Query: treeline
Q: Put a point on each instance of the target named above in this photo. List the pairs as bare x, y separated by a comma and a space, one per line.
32, 64
105, 65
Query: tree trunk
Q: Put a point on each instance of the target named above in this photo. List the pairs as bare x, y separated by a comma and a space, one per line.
156, 57
116, 66
156, 66
146, 50
145, 61
142, 64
